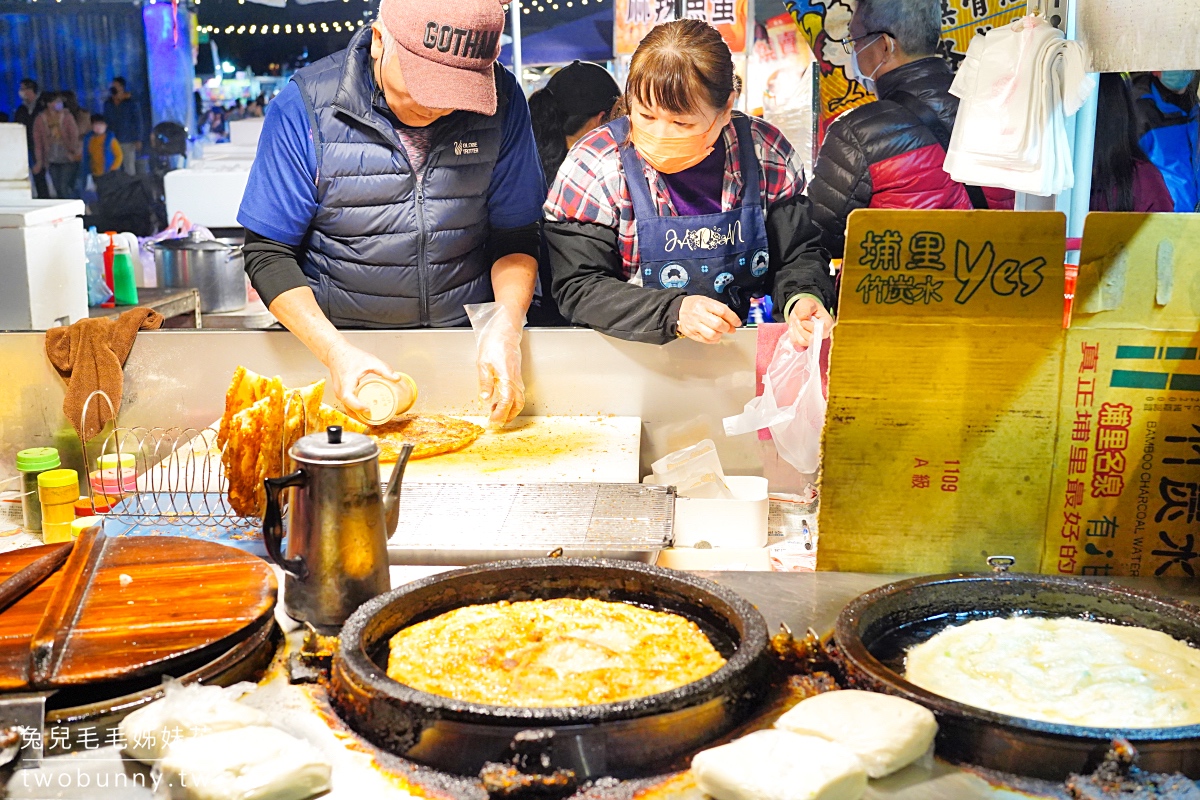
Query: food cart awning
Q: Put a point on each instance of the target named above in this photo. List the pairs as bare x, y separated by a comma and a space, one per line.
587, 39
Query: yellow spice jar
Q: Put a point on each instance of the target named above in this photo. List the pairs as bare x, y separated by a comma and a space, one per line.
58, 489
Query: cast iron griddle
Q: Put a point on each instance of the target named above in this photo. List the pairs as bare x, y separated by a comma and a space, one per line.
626, 738
874, 631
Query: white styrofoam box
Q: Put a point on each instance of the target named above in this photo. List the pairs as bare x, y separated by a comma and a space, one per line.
14, 152
740, 522
15, 192
245, 131
223, 152
206, 197
42, 265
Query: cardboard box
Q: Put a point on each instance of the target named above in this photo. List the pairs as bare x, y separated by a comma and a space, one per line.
1126, 493
964, 422
944, 390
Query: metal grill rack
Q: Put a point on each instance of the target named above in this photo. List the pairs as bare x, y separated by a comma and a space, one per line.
458, 524
180, 477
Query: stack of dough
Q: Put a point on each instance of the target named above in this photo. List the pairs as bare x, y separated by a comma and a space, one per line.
887, 733
823, 749
779, 765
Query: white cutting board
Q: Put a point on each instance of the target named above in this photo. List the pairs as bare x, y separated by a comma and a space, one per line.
540, 450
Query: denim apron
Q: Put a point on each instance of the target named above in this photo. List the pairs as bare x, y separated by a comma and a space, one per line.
722, 255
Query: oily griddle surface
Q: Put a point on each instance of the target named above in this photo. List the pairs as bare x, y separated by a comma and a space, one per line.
81, 625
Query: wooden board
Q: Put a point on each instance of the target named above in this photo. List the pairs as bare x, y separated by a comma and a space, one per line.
85, 624
540, 450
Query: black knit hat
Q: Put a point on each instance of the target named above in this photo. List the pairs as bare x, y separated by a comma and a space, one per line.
582, 88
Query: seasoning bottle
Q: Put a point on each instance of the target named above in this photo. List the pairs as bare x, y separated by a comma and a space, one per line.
384, 399
31, 463
124, 287
58, 490
115, 474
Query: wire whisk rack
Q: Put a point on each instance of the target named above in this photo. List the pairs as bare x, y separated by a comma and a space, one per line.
178, 477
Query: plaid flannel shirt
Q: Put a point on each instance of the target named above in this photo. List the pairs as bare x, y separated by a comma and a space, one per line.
590, 186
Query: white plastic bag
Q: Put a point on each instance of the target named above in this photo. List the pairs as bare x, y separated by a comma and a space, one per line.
186, 711
792, 404
694, 472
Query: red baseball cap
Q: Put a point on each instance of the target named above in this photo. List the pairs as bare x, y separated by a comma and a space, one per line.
447, 48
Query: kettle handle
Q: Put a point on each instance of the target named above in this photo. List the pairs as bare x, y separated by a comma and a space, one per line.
273, 524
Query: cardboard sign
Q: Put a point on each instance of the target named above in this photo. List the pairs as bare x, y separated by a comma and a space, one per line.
1126, 493
944, 386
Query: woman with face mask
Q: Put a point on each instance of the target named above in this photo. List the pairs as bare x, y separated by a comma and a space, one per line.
668, 221
57, 147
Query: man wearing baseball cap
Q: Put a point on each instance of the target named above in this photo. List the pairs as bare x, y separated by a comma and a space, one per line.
397, 185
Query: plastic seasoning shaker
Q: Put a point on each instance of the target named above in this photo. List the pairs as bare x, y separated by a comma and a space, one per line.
124, 286
58, 490
384, 399
31, 463
110, 460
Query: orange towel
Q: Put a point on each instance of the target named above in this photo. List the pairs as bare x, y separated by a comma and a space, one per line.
90, 355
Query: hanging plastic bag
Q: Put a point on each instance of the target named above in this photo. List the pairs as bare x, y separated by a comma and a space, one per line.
792, 404
98, 291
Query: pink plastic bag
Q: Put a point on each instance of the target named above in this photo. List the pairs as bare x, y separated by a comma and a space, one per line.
792, 404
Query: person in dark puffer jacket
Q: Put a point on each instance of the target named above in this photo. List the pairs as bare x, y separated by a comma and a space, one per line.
888, 154
397, 185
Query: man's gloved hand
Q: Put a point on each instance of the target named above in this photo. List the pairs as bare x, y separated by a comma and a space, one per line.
348, 366
800, 320
498, 339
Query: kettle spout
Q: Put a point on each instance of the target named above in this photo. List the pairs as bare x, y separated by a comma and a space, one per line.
391, 500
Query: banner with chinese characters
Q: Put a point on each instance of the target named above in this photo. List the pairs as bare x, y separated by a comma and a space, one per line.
943, 391
1126, 494
633, 19
824, 24
727, 16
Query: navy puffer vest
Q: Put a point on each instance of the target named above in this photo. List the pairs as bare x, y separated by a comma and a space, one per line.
384, 250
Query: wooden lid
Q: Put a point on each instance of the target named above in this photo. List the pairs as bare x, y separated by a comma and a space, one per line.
124, 608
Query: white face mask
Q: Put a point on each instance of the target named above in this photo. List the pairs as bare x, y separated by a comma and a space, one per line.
868, 81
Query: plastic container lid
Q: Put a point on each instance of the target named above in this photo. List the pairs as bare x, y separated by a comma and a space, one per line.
58, 479
103, 504
110, 460
113, 481
37, 459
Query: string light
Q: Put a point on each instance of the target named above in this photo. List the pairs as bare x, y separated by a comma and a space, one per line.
253, 28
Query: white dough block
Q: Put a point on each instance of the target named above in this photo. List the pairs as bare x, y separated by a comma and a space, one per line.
244, 764
184, 712
887, 733
779, 765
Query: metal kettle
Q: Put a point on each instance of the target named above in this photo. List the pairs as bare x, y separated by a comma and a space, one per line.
338, 526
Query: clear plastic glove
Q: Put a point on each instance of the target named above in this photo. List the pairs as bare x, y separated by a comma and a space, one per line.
498, 339
706, 320
348, 366
802, 318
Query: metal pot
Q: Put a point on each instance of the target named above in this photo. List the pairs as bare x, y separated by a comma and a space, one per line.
211, 266
627, 738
